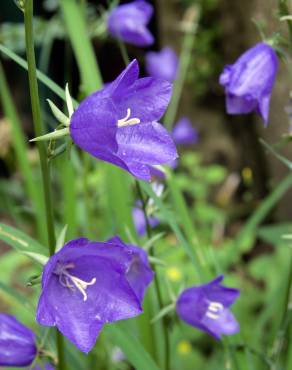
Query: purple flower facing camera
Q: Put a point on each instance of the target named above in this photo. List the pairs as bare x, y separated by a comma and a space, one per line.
88, 284
17, 342
206, 307
129, 22
119, 124
162, 64
249, 81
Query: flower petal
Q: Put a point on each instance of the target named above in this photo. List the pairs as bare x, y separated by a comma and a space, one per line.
110, 299
147, 143
147, 98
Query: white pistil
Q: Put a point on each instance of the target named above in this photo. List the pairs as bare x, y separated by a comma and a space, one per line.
66, 279
214, 310
127, 121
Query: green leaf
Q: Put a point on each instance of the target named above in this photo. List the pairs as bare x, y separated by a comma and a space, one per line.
19, 240
132, 348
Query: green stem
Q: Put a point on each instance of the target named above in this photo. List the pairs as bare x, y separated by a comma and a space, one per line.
185, 59
39, 130
38, 124
124, 52
285, 321
156, 280
284, 10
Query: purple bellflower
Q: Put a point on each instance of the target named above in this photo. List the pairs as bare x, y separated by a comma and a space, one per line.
88, 284
206, 307
129, 22
249, 81
163, 64
118, 124
17, 343
184, 133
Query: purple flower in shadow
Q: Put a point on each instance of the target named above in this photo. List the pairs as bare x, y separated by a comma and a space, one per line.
88, 284
118, 124
140, 222
206, 307
162, 64
46, 367
184, 133
129, 22
17, 342
249, 81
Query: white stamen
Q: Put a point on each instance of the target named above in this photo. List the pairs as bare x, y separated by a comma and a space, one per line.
214, 310
127, 121
67, 279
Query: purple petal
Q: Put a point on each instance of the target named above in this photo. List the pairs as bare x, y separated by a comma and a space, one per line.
126, 79
184, 133
139, 273
163, 64
109, 299
249, 81
206, 308
147, 98
17, 342
128, 22
93, 126
147, 143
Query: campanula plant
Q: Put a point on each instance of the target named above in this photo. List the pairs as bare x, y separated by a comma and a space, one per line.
119, 124
206, 307
128, 22
88, 284
249, 81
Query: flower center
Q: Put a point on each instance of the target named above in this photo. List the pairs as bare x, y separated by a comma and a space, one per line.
127, 121
72, 282
214, 310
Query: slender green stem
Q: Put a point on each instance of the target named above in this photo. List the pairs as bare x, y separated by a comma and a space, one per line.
285, 321
156, 280
124, 52
38, 124
185, 59
284, 10
39, 130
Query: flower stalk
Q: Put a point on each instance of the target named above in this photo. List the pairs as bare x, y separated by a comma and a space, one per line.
39, 130
156, 281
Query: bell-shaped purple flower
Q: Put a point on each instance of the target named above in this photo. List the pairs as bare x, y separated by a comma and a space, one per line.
184, 133
118, 124
17, 342
206, 307
129, 22
88, 284
163, 64
249, 81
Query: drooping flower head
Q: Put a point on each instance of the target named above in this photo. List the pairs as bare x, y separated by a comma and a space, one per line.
184, 133
129, 22
87, 284
206, 307
118, 124
162, 64
17, 342
249, 81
